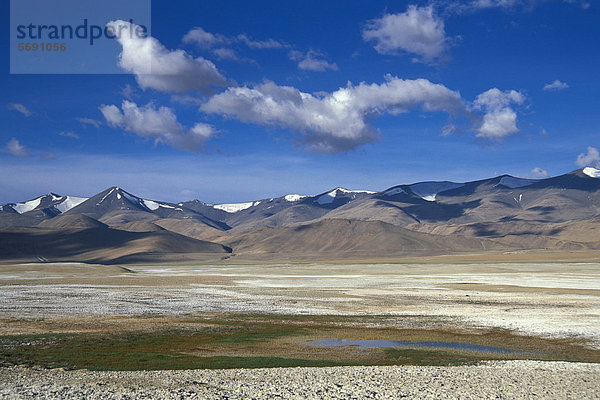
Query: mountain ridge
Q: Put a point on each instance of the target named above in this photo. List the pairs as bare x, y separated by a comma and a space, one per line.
505, 212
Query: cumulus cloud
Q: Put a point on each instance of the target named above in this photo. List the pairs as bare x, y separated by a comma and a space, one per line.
417, 31
156, 67
337, 121
589, 159
556, 85
311, 61
90, 121
159, 124
20, 108
16, 149
69, 134
539, 173
500, 119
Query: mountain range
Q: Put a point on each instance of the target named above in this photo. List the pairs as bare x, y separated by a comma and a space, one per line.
427, 218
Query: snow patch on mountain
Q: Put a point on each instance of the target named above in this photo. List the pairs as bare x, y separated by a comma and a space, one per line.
327, 198
293, 197
27, 206
154, 205
513, 183
429, 190
68, 203
591, 172
235, 207
341, 189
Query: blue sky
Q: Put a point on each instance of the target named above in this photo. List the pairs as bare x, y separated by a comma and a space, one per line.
245, 100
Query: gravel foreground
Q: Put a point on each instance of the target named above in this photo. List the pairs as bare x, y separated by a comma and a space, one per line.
504, 380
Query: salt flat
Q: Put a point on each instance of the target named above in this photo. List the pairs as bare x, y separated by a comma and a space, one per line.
548, 299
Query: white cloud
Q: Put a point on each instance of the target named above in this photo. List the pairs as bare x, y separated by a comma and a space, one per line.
20, 108
494, 3
467, 6
223, 53
591, 159
90, 121
556, 85
69, 134
205, 39
583, 3
498, 124
417, 31
539, 173
159, 124
261, 44
156, 67
337, 121
186, 99
495, 98
499, 120
311, 61
471, 6
128, 92
16, 149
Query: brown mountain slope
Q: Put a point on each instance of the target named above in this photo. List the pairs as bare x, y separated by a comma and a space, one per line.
581, 231
350, 238
189, 227
100, 245
140, 226
71, 221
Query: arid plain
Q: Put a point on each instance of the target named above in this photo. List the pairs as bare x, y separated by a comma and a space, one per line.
457, 316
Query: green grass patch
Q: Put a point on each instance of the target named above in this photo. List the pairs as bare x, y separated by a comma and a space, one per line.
139, 351
253, 341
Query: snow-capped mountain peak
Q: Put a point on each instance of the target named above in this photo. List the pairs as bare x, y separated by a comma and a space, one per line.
69, 202
51, 200
150, 205
591, 172
27, 205
329, 197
